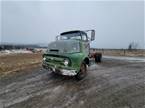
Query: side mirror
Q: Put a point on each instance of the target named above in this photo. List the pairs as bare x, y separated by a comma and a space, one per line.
92, 35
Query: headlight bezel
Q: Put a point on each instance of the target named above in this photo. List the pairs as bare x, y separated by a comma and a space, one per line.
67, 62
44, 58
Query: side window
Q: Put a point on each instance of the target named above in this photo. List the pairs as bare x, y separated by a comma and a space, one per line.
85, 44
84, 37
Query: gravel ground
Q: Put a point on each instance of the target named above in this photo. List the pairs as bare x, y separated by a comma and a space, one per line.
111, 84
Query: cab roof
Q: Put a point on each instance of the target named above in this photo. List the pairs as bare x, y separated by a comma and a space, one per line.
74, 31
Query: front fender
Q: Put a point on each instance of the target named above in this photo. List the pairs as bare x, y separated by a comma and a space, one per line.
77, 59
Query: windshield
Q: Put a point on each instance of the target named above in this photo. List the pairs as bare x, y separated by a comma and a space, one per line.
65, 46
70, 36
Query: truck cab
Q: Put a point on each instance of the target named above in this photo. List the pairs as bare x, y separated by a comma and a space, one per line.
69, 54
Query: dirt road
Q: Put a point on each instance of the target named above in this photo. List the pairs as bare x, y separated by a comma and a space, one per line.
111, 84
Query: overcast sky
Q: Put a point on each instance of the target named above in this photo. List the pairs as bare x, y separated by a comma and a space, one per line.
117, 23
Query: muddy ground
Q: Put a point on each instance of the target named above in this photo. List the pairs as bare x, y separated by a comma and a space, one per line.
111, 84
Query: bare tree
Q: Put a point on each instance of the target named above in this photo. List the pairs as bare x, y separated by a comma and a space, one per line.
133, 45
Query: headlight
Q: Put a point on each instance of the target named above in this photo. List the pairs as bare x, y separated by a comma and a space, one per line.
66, 62
44, 58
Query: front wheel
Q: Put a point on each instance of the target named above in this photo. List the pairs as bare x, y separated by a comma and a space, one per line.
83, 71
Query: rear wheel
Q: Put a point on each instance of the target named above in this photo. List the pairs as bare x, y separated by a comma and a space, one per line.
83, 71
98, 58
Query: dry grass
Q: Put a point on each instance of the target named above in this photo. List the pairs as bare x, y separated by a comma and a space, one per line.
122, 52
14, 62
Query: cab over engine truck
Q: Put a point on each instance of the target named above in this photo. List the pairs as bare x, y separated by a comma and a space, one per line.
70, 54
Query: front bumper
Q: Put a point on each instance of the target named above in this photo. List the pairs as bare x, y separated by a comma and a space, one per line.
59, 69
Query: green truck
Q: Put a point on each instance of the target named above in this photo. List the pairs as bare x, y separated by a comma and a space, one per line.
70, 54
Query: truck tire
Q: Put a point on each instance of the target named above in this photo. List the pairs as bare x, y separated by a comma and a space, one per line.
83, 72
98, 58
